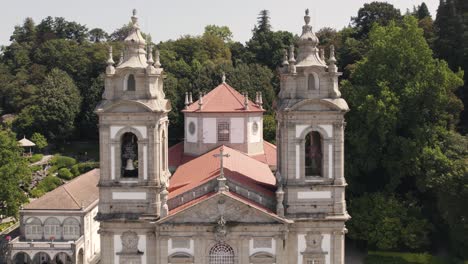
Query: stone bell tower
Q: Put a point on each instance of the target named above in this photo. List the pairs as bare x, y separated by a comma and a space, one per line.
133, 126
310, 142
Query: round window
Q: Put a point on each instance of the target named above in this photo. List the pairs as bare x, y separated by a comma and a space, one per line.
191, 128
255, 128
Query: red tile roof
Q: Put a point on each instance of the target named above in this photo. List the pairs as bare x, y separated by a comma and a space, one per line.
223, 99
177, 156
238, 167
77, 193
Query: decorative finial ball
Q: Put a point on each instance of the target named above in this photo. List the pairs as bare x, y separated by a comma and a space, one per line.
134, 12
307, 12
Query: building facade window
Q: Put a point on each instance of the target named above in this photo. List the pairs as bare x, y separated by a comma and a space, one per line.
71, 228
223, 131
221, 253
33, 227
130, 85
311, 82
52, 228
313, 154
129, 155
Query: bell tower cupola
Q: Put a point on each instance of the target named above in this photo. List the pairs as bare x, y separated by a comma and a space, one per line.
133, 129
310, 131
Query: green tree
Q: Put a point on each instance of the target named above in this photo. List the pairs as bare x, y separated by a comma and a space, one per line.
386, 223
39, 140
375, 12
401, 104
451, 44
14, 172
97, 35
422, 11
266, 46
222, 32
55, 109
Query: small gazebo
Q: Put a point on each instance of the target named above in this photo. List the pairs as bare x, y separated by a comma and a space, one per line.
26, 143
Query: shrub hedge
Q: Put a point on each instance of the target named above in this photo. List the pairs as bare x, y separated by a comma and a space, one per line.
65, 174
62, 161
46, 185
35, 158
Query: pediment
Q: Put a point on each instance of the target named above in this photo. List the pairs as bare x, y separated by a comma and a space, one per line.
232, 208
122, 106
321, 105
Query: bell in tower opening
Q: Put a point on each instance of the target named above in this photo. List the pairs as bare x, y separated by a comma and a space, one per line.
129, 155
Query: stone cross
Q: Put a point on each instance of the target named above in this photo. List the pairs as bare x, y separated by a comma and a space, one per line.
221, 179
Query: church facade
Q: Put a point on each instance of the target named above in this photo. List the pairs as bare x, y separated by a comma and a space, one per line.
224, 195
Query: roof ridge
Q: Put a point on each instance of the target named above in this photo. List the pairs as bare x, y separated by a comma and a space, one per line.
231, 90
71, 196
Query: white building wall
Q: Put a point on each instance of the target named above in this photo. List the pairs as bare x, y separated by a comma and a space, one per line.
237, 130
257, 137
192, 138
209, 130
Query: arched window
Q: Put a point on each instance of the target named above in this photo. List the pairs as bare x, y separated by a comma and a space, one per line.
313, 154
129, 155
52, 229
71, 229
311, 82
221, 253
130, 83
33, 228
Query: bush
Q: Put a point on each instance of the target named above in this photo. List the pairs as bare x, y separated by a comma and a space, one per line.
386, 223
35, 168
62, 161
46, 185
380, 257
84, 167
35, 158
39, 140
65, 174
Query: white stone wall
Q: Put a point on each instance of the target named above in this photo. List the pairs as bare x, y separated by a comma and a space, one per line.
209, 130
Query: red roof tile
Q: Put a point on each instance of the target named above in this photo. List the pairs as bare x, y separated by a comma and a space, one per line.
238, 167
177, 156
77, 193
223, 99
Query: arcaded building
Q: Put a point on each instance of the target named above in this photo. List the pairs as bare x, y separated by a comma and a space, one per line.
223, 195
59, 227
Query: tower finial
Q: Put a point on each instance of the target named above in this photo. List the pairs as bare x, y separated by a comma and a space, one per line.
157, 64
332, 60
260, 100
285, 58
134, 19
246, 101
110, 60
186, 100
200, 101
190, 98
307, 17
150, 55
223, 78
292, 60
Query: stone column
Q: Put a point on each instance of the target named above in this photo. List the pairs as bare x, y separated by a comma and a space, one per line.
337, 255
244, 251
163, 249
107, 247
338, 155
151, 245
